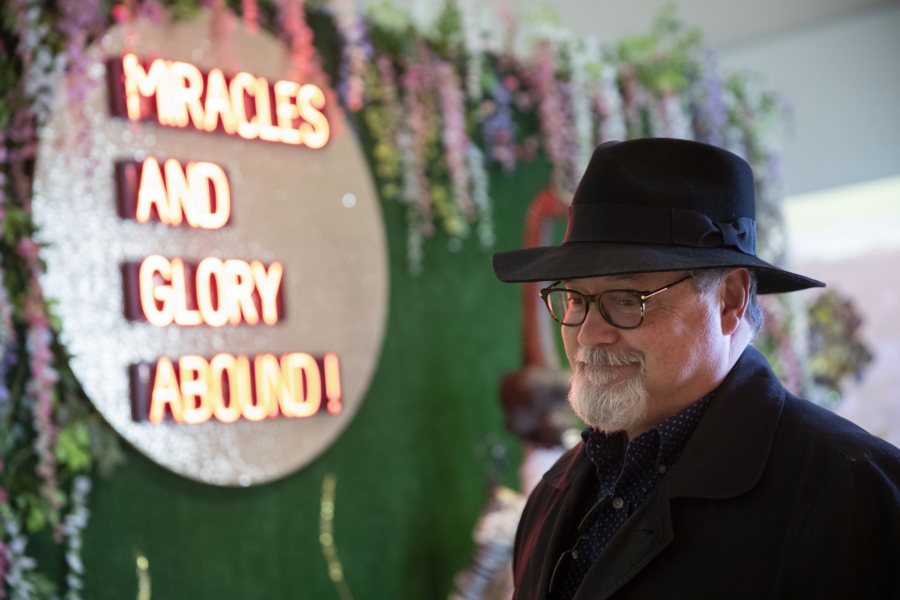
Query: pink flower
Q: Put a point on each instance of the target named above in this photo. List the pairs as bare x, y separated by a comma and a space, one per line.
120, 13
28, 249
251, 15
151, 10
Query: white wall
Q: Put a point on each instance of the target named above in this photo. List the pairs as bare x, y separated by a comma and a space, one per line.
842, 80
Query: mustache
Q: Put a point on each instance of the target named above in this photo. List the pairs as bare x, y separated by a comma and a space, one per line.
601, 357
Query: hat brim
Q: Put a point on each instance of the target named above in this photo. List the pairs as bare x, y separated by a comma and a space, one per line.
577, 260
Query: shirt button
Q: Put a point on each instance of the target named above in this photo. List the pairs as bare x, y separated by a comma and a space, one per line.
662, 468
618, 503
574, 553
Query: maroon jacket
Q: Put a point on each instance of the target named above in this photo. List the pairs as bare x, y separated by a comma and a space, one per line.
772, 497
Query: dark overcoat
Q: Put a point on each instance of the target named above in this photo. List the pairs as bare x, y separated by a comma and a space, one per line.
772, 497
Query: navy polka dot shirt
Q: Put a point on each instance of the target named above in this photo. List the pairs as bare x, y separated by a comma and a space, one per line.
626, 474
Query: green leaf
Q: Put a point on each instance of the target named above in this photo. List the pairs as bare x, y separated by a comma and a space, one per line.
73, 447
36, 519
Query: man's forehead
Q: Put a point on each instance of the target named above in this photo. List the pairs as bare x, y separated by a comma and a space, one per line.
620, 278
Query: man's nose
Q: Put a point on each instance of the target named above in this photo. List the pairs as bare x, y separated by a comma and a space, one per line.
595, 331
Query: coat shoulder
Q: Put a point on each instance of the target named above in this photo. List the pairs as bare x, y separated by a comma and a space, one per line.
814, 428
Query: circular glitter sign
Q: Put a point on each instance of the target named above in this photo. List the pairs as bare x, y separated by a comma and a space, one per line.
299, 368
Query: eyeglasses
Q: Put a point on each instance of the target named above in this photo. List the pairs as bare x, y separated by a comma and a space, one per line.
623, 309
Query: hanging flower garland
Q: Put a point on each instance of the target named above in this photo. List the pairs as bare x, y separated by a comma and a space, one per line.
456, 141
250, 14
299, 36
585, 69
552, 111
608, 106
498, 128
356, 54
46, 425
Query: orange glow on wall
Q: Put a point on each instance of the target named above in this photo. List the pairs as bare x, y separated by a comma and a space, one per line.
214, 292
178, 94
194, 390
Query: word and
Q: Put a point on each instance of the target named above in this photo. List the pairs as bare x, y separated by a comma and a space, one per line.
178, 94
216, 292
197, 194
225, 388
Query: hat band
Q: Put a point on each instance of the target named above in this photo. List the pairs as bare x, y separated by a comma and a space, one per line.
635, 224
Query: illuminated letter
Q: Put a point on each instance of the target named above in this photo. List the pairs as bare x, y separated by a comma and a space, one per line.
220, 366
267, 284
184, 87
165, 393
153, 193
315, 131
177, 191
205, 210
183, 314
194, 372
333, 383
269, 387
243, 83
267, 131
286, 110
241, 297
209, 277
156, 300
304, 385
218, 103
139, 82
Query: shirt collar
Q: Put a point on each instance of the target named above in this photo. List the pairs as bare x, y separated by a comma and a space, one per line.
665, 441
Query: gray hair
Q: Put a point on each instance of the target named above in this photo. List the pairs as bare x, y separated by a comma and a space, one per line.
708, 279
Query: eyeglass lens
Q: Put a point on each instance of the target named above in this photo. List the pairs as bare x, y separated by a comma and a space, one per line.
621, 308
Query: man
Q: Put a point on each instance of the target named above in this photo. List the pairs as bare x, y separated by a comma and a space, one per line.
699, 476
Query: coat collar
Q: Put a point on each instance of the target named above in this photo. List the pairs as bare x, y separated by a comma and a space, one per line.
739, 425
728, 451
724, 457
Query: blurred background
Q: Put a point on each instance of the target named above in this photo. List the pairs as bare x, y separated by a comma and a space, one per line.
418, 496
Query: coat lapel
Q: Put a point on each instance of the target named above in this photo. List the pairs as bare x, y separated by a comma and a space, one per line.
572, 490
724, 457
646, 533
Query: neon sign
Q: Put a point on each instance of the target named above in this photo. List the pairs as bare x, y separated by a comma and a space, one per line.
224, 201
178, 94
194, 390
215, 292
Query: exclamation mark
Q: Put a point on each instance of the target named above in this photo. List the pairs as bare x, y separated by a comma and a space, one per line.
333, 383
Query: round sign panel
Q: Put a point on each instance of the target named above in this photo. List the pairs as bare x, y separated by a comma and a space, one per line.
214, 241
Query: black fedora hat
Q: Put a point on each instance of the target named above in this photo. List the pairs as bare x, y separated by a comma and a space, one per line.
656, 204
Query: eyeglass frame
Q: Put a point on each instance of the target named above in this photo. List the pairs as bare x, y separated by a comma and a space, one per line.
641, 297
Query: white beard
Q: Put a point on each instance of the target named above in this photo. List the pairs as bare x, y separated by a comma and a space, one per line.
603, 405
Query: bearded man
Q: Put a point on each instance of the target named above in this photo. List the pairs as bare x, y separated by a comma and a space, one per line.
699, 475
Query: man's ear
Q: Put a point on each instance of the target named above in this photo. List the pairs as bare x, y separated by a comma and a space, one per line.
734, 297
